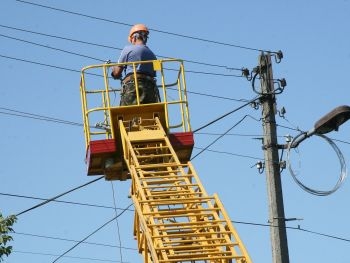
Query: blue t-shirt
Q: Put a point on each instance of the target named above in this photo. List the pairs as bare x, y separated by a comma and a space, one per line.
138, 53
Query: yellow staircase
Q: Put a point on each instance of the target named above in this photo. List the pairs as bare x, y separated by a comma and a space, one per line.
175, 219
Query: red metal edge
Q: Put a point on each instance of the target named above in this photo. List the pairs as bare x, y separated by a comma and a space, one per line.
102, 146
98, 150
181, 139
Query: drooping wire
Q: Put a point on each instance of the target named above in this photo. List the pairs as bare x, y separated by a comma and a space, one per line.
218, 138
117, 222
95, 231
215, 74
50, 47
343, 169
58, 196
89, 73
72, 240
42, 64
280, 82
72, 257
152, 29
293, 228
226, 114
233, 221
61, 201
59, 37
116, 48
37, 116
233, 154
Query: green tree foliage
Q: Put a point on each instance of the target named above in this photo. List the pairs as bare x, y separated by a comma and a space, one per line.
6, 224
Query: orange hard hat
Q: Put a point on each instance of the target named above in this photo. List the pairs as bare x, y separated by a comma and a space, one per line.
136, 28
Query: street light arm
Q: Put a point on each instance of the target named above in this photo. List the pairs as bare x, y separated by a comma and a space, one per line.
330, 122
301, 137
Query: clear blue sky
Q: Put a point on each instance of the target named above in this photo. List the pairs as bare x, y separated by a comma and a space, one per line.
41, 159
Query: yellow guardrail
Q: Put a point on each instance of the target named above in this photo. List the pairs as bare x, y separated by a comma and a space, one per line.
100, 93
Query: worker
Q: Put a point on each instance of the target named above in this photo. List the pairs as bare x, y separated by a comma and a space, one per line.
146, 82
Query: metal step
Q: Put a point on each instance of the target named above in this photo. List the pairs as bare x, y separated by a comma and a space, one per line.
175, 219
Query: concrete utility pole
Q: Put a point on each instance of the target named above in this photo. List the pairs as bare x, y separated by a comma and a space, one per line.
274, 187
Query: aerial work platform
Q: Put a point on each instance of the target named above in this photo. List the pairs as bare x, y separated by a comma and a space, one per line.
101, 113
151, 144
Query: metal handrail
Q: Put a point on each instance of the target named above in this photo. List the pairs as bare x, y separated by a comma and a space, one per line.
104, 104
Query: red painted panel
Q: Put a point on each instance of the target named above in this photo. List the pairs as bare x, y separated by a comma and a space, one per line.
181, 139
102, 146
97, 153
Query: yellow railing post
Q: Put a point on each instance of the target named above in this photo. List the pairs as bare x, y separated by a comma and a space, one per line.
88, 95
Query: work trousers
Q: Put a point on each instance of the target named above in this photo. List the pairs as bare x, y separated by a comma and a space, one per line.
148, 92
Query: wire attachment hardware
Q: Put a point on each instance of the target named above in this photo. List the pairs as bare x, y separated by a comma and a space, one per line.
278, 56
260, 166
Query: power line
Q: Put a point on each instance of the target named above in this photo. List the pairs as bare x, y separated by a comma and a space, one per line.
153, 29
60, 37
72, 240
45, 118
117, 223
111, 47
49, 47
216, 96
78, 71
41, 64
51, 119
320, 234
57, 196
234, 154
294, 228
24, 114
36, 116
233, 221
230, 134
60, 201
115, 48
75, 257
218, 138
215, 74
225, 115
95, 231
286, 127
336, 140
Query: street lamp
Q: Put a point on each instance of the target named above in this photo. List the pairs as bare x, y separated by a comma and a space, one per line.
330, 122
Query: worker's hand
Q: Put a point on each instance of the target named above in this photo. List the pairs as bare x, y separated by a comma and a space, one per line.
117, 72
114, 76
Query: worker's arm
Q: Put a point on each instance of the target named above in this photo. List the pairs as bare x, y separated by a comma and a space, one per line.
117, 72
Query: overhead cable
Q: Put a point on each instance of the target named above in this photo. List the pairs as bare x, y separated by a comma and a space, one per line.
293, 228
78, 71
95, 231
50, 47
117, 223
39, 63
233, 221
73, 257
58, 196
218, 138
59, 37
60, 201
226, 114
152, 29
71, 240
234, 154
23, 114
111, 47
